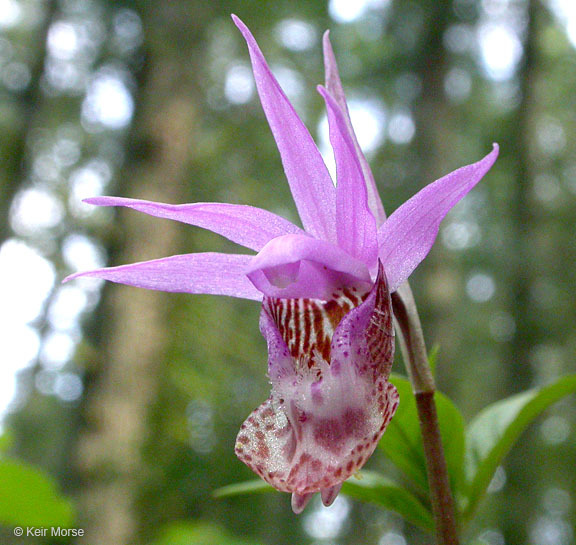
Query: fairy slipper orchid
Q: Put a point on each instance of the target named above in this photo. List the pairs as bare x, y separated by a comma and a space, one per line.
325, 290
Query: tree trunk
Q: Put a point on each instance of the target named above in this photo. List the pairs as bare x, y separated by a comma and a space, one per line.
14, 163
134, 328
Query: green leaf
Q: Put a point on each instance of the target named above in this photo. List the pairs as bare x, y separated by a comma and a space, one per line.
402, 441
375, 488
5, 442
256, 486
29, 497
452, 429
433, 357
494, 431
198, 533
369, 486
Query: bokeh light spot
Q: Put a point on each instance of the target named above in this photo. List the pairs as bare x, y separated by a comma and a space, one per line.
296, 35
239, 84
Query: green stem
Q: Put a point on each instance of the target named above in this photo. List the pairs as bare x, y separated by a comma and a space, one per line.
414, 350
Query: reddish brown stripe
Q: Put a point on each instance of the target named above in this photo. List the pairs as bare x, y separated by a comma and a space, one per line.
307, 333
318, 318
307, 325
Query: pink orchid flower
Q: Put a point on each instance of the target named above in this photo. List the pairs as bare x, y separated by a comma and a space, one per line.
325, 290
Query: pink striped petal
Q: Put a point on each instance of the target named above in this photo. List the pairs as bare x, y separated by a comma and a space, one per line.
355, 224
334, 86
409, 233
364, 339
246, 225
215, 273
280, 362
295, 266
309, 180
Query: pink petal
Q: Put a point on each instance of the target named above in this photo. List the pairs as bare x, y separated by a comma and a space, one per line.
364, 339
330, 494
280, 362
299, 502
409, 233
296, 266
309, 180
219, 274
334, 86
355, 224
246, 225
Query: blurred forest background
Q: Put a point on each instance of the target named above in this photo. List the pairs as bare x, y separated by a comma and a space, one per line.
131, 399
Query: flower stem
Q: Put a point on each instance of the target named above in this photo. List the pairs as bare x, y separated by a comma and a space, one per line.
440, 494
414, 350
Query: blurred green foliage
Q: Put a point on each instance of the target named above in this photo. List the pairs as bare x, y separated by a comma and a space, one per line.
28, 496
202, 533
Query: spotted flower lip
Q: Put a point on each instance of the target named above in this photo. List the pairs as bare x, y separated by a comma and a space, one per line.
323, 288
331, 400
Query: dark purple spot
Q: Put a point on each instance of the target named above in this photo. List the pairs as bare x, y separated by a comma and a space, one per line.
354, 422
263, 451
316, 465
328, 434
304, 457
